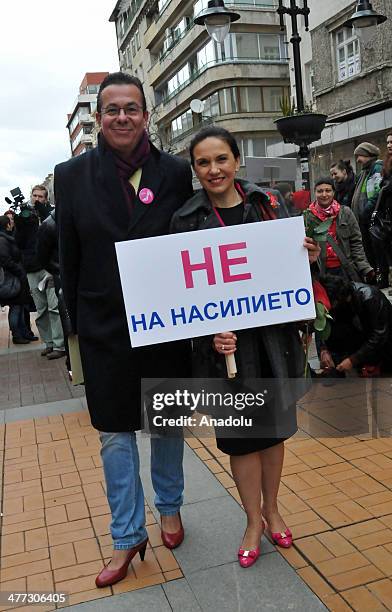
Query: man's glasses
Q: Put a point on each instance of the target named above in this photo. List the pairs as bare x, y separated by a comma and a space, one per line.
131, 110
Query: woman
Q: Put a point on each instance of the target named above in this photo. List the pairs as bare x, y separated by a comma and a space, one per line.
343, 253
10, 261
344, 180
263, 352
381, 224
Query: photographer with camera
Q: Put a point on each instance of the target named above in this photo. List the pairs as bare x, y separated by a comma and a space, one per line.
41, 282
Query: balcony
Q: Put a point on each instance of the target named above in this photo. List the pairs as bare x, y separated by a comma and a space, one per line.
265, 9
231, 71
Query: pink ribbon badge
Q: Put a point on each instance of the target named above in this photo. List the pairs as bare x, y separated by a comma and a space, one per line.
146, 195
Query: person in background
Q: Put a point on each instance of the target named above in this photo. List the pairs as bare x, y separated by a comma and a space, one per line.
41, 282
367, 188
381, 233
343, 176
342, 254
286, 191
11, 262
361, 328
11, 216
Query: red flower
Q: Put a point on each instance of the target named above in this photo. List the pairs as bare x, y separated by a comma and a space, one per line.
320, 295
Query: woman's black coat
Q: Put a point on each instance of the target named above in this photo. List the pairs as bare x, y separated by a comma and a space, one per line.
11, 261
92, 215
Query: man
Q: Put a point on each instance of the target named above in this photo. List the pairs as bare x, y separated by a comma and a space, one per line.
286, 191
124, 189
366, 192
41, 282
361, 328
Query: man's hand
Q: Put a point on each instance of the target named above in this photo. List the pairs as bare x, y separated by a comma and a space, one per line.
225, 344
326, 360
345, 365
313, 249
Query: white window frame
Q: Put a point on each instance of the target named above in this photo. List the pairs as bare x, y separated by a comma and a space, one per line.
347, 70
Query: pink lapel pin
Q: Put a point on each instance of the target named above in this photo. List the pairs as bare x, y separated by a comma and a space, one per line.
146, 195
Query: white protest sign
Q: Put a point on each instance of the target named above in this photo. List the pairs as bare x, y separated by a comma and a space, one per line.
216, 280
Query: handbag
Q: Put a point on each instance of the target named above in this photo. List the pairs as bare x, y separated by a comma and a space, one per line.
380, 228
10, 286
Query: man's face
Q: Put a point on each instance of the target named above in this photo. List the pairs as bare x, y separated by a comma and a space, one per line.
363, 159
122, 131
12, 222
38, 196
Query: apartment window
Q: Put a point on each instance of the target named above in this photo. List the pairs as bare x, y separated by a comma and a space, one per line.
211, 105
182, 124
133, 46
247, 47
347, 54
137, 39
162, 5
228, 100
271, 98
206, 55
178, 79
199, 6
270, 47
250, 99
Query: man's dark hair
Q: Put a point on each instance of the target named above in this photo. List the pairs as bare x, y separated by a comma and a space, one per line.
214, 132
338, 289
120, 78
4, 222
324, 180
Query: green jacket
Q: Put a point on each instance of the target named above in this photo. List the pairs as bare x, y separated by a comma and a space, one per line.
366, 192
349, 238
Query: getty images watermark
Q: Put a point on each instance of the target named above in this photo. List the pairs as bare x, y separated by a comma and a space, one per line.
203, 401
232, 408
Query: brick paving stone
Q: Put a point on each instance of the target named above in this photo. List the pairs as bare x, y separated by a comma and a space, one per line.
361, 600
77, 572
335, 543
87, 550
339, 565
25, 557
165, 558
336, 603
381, 558
36, 538
313, 549
315, 582
355, 577
77, 510
293, 557
383, 591
62, 555
12, 544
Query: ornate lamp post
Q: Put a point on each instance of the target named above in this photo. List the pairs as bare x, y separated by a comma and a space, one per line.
365, 20
302, 127
217, 19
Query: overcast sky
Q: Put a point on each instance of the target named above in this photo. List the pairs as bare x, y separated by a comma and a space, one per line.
46, 47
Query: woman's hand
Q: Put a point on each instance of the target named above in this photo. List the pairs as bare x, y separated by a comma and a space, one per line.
326, 360
313, 249
345, 365
225, 344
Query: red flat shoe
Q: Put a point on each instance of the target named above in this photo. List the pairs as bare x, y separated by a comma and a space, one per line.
246, 558
108, 577
283, 539
172, 540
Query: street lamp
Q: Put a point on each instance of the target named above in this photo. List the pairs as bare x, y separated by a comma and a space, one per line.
365, 20
217, 19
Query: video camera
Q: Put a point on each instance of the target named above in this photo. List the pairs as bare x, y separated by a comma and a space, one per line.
18, 205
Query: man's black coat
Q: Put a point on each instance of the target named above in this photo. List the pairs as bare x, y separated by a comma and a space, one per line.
92, 215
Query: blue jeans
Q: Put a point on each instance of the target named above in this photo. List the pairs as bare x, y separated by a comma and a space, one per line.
124, 488
17, 322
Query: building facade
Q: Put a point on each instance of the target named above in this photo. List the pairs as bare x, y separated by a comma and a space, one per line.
81, 123
347, 79
240, 82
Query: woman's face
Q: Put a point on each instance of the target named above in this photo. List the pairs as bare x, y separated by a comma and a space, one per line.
324, 195
215, 165
338, 175
389, 144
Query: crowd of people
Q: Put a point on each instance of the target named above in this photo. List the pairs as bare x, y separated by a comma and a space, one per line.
98, 203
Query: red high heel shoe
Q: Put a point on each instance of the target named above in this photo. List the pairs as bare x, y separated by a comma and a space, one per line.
246, 558
107, 577
172, 540
284, 539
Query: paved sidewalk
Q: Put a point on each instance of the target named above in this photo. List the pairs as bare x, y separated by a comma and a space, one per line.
336, 495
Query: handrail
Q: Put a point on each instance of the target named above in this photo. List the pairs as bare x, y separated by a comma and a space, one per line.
228, 60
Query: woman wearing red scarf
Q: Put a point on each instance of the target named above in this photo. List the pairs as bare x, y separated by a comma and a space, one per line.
342, 254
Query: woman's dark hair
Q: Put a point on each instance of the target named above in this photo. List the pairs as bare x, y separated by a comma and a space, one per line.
387, 166
4, 222
343, 164
120, 78
324, 180
338, 289
214, 132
